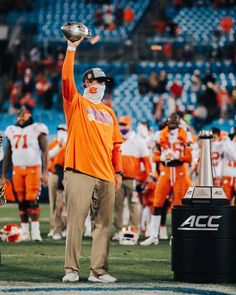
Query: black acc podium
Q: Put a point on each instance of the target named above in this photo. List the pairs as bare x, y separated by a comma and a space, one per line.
204, 243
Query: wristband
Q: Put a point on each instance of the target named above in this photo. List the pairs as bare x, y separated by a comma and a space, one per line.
70, 48
121, 173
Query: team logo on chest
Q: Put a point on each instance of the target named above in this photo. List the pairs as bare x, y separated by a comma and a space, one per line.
101, 116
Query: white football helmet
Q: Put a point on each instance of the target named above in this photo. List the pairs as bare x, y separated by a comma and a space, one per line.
128, 236
10, 233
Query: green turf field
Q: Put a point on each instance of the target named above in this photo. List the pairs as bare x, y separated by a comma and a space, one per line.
43, 262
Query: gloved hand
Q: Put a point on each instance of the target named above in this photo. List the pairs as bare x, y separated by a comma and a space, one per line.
167, 155
176, 155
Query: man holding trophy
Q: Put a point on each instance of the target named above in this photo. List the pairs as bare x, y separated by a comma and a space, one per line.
93, 163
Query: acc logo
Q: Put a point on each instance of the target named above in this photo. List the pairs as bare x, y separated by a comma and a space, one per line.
201, 223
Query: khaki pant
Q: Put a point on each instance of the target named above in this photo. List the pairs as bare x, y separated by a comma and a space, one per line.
52, 192
82, 193
59, 220
126, 191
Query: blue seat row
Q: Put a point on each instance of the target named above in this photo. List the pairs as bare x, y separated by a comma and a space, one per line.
49, 16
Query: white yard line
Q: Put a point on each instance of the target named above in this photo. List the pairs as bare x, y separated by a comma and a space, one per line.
120, 288
82, 257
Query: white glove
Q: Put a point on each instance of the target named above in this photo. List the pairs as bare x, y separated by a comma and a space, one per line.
176, 155
167, 155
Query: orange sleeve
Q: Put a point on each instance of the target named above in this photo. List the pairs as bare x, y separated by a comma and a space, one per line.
52, 144
156, 156
117, 158
147, 165
116, 152
187, 157
60, 157
68, 82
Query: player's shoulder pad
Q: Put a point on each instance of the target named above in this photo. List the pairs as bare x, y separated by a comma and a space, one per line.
42, 128
9, 130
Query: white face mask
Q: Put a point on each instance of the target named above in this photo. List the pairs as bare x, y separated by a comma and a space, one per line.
94, 93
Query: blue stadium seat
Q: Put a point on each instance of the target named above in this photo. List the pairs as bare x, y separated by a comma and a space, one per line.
48, 16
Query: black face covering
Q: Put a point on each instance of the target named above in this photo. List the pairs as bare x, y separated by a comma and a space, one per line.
124, 131
173, 126
26, 123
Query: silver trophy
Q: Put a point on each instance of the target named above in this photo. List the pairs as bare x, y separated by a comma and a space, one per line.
204, 191
75, 30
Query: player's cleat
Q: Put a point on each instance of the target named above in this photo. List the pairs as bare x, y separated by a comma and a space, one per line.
150, 241
163, 233
70, 277
36, 236
25, 237
50, 234
106, 278
56, 237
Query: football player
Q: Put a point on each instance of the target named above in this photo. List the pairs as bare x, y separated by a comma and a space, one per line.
27, 148
53, 149
134, 152
59, 220
222, 149
174, 152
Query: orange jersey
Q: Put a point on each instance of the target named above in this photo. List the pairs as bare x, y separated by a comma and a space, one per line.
53, 145
173, 145
135, 152
60, 157
94, 139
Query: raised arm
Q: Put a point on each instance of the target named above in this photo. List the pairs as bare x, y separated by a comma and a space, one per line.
68, 81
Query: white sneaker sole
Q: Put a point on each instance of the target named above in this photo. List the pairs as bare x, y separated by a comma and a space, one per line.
149, 244
70, 281
97, 280
67, 281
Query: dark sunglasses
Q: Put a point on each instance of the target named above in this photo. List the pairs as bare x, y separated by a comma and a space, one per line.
100, 80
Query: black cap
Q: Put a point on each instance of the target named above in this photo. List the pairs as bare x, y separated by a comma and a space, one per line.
95, 74
62, 127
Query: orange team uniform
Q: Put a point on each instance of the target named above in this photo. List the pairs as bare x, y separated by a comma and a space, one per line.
91, 125
26, 159
60, 157
53, 145
174, 153
135, 152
